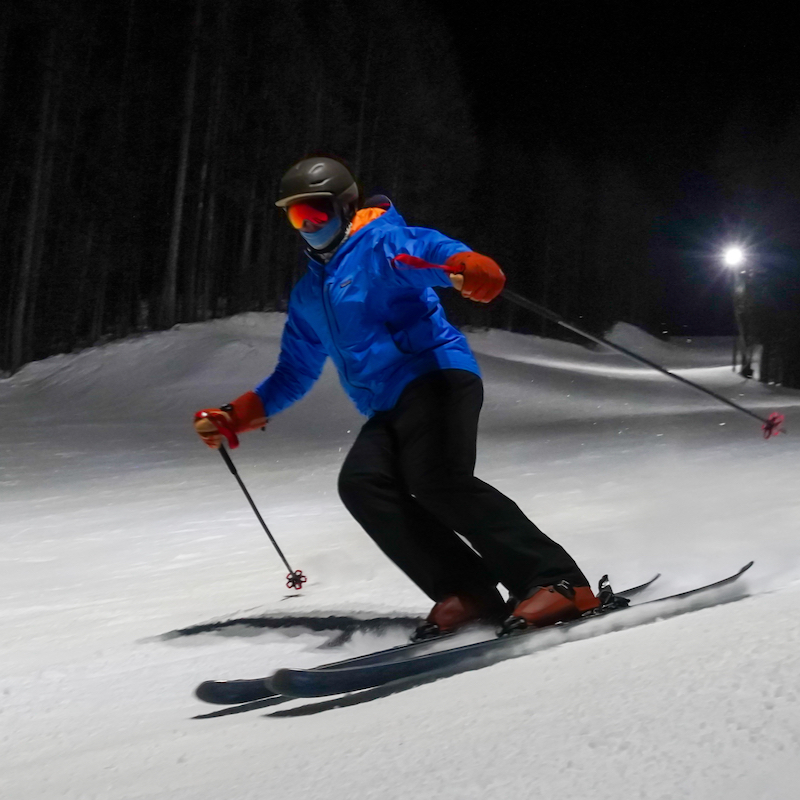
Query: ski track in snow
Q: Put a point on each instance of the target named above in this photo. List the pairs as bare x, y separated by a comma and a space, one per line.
126, 546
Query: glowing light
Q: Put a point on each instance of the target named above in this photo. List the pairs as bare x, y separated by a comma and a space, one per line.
733, 256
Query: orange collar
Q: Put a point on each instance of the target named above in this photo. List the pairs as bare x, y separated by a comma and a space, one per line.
363, 217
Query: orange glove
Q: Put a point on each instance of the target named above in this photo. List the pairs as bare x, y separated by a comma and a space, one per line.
245, 413
483, 278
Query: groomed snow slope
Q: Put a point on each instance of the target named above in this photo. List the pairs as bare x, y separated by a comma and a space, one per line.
124, 540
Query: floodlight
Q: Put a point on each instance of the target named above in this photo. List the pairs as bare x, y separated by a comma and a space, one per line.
733, 256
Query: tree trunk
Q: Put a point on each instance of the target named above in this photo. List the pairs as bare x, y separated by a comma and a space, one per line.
244, 290
82, 281
362, 106
33, 226
209, 244
3, 51
122, 106
99, 311
197, 278
265, 247
169, 293
8, 180
41, 239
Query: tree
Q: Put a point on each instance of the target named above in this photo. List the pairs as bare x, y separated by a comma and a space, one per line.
35, 221
139, 176
168, 308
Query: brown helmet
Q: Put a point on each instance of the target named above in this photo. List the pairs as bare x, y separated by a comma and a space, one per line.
320, 177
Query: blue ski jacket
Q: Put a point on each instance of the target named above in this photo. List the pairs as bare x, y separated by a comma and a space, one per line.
380, 321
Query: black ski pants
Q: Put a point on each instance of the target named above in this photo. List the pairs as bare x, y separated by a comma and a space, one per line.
408, 480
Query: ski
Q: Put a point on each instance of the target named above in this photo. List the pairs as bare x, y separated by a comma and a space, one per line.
249, 690
343, 679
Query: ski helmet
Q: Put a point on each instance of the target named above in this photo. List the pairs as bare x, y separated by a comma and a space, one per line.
322, 178
319, 177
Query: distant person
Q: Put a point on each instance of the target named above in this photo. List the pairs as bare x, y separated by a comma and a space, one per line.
745, 312
367, 302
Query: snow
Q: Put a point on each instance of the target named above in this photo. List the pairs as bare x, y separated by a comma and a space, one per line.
127, 546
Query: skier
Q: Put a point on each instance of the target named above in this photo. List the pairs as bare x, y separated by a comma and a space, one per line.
367, 302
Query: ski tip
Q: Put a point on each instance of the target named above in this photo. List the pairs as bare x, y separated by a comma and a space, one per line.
229, 693
209, 691
746, 567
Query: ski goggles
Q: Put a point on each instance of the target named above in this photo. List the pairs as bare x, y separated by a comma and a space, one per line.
316, 210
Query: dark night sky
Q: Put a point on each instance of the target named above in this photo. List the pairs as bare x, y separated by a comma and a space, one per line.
638, 82
649, 86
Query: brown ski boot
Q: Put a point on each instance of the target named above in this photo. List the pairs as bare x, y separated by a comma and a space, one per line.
458, 610
549, 605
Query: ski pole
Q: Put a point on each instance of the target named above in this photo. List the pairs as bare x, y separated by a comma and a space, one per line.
771, 424
295, 579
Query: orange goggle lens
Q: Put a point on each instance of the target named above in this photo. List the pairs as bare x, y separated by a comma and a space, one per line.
317, 212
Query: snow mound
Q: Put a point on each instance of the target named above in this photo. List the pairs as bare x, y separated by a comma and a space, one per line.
677, 352
165, 376
188, 359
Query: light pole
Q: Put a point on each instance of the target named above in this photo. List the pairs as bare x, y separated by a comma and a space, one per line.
735, 259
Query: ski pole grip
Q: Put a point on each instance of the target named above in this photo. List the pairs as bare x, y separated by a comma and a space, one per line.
228, 433
220, 422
